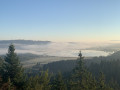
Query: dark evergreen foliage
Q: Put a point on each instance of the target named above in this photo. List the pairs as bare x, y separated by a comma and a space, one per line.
13, 69
80, 77
58, 83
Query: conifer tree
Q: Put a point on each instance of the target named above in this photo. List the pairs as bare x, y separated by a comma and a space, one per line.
1, 62
1, 67
101, 83
13, 68
0, 82
114, 84
44, 80
58, 83
82, 79
39, 82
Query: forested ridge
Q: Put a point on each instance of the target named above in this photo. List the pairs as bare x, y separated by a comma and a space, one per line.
97, 74
29, 42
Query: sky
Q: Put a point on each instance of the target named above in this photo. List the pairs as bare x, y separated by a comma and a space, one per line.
60, 20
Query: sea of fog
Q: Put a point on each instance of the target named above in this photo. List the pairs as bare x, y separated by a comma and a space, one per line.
63, 49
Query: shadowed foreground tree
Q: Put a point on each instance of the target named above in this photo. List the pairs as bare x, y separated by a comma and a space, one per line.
82, 79
39, 82
13, 69
58, 83
101, 83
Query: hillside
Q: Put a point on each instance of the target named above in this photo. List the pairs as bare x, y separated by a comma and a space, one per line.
28, 42
67, 65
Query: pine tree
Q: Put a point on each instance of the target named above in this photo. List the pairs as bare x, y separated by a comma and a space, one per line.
58, 83
1, 67
1, 82
45, 80
13, 68
114, 84
39, 82
1, 62
82, 79
101, 83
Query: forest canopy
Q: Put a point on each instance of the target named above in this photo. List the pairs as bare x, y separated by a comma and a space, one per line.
73, 75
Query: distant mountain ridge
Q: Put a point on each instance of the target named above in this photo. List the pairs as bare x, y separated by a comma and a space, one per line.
28, 42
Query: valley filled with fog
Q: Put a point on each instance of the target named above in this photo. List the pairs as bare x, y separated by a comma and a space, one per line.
61, 49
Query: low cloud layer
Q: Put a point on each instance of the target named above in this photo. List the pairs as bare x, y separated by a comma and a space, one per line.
64, 49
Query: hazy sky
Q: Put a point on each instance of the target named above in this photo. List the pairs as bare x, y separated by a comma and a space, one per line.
60, 20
